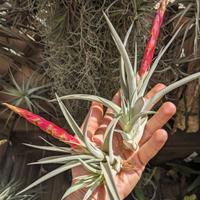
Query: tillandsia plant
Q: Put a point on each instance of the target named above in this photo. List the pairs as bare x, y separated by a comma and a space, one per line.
101, 163
134, 110
8, 192
26, 95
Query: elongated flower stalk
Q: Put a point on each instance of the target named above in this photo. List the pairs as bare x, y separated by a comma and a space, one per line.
46, 126
154, 33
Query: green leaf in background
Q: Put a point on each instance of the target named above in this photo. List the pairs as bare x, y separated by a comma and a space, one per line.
194, 185
187, 171
190, 197
138, 193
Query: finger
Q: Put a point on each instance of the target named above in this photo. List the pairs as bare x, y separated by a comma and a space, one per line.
109, 114
116, 99
157, 88
152, 147
154, 90
95, 118
165, 112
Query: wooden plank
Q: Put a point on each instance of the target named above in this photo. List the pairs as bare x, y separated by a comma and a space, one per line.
179, 146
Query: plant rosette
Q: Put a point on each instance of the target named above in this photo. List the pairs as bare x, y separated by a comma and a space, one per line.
100, 162
134, 110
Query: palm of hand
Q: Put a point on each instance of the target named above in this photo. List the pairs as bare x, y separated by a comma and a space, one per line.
152, 141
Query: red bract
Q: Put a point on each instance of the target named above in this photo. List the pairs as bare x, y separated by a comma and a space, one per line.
151, 44
46, 126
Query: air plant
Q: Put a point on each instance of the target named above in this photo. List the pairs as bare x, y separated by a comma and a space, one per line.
8, 191
25, 95
100, 162
134, 109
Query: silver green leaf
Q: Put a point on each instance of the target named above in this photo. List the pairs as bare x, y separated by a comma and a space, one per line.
74, 126
131, 80
89, 145
89, 97
52, 174
51, 148
95, 165
62, 159
109, 179
75, 187
91, 189
109, 193
123, 82
89, 168
108, 139
124, 105
155, 64
85, 177
169, 88
92, 148
139, 104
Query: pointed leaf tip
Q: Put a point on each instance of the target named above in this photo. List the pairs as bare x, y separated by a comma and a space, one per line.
11, 107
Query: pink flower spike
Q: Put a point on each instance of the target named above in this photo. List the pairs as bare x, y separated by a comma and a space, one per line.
152, 41
46, 126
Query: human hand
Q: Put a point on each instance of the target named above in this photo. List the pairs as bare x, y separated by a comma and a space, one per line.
153, 139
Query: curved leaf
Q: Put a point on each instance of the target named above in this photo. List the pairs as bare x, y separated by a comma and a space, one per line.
74, 126
129, 69
169, 88
109, 179
89, 97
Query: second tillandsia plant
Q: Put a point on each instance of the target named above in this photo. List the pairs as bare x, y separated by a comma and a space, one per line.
101, 163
